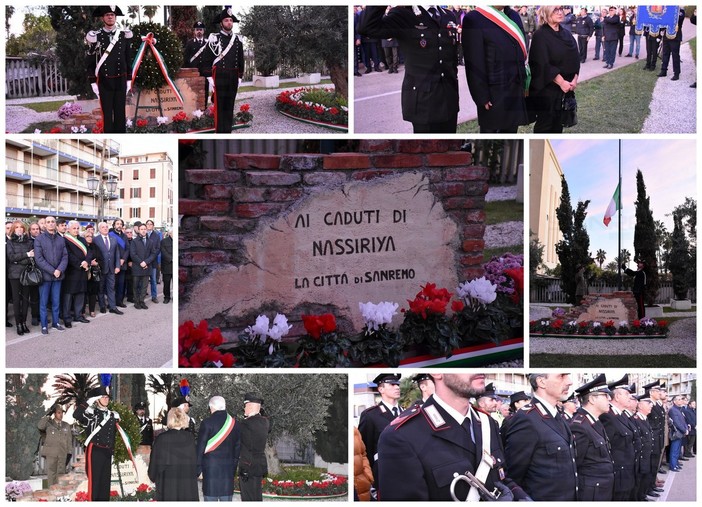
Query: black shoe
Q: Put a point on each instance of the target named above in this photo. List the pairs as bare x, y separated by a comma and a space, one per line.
596, 58
144, 307
662, 74
694, 85
606, 66
637, 57
8, 323
368, 71
378, 69
67, 325
675, 77
25, 328
121, 305
83, 320
661, 471
115, 310
627, 56
103, 309
657, 490
44, 330
683, 458
58, 327
130, 300
20, 331
166, 300
654, 495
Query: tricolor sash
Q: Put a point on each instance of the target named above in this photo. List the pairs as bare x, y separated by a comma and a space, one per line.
150, 41
503, 21
221, 435
76, 242
115, 38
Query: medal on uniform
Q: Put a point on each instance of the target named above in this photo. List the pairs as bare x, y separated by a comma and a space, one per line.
422, 43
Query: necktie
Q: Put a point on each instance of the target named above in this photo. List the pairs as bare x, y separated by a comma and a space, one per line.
394, 411
468, 426
107, 242
144, 240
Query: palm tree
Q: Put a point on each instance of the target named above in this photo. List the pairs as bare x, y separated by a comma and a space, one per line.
625, 256
601, 256
162, 384
150, 11
73, 389
134, 11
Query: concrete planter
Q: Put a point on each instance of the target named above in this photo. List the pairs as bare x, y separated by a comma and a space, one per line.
681, 304
654, 312
266, 81
311, 78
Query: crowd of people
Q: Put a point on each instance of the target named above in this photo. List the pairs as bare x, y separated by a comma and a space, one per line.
599, 442
82, 270
522, 64
221, 447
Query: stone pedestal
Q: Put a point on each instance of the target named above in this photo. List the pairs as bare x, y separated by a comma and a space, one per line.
266, 81
681, 304
191, 86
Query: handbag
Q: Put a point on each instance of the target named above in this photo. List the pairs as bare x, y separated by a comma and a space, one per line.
31, 275
569, 110
675, 433
95, 273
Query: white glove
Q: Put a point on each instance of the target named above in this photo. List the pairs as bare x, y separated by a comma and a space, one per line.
90, 410
94, 86
211, 81
129, 86
240, 80
115, 415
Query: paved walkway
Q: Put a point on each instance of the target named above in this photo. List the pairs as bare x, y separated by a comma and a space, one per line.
679, 486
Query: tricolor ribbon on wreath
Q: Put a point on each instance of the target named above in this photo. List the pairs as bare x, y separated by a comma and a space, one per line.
128, 445
150, 41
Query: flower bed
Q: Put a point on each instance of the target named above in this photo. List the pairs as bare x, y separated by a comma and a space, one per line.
318, 106
560, 328
328, 486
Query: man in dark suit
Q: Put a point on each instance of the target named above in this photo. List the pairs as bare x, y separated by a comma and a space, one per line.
621, 438
218, 449
418, 455
672, 47
142, 254
117, 232
539, 447
110, 58
253, 466
167, 264
374, 419
427, 38
593, 459
76, 282
495, 52
154, 237
223, 65
109, 250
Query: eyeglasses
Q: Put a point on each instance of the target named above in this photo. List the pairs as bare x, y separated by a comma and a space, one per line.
558, 9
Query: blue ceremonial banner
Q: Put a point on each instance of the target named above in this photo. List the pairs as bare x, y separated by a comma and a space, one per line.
657, 17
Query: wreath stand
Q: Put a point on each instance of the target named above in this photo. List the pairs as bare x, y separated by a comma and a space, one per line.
137, 107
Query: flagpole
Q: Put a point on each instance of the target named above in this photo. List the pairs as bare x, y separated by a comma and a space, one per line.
619, 205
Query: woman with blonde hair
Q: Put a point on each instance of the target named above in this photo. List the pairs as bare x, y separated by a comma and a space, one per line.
20, 251
554, 61
173, 463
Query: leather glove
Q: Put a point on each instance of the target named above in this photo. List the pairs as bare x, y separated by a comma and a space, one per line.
505, 493
94, 86
129, 86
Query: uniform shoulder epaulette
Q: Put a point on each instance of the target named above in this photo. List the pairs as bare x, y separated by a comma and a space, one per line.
370, 409
212, 37
128, 34
528, 407
578, 419
91, 36
404, 417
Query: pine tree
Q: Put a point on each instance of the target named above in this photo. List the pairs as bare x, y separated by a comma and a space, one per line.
23, 409
573, 249
71, 24
645, 243
330, 443
680, 259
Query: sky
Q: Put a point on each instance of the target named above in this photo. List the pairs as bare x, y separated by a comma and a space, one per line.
138, 145
591, 166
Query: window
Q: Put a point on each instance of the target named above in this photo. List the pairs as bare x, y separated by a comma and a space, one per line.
133, 212
152, 173
152, 212
135, 174
121, 193
135, 193
152, 192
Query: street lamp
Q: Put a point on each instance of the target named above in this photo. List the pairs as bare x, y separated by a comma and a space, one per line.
102, 190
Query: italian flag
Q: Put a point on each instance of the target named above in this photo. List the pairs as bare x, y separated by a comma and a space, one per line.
613, 207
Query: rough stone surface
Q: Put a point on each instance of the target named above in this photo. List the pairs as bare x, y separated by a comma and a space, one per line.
299, 258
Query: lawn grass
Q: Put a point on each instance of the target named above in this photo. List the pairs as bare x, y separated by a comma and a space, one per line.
283, 86
630, 87
43, 126
668, 309
693, 48
489, 253
613, 361
503, 211
44, 107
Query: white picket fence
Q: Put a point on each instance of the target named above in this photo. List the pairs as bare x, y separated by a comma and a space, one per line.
552, 293
25, 78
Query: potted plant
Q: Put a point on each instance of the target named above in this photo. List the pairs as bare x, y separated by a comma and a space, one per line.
377, 343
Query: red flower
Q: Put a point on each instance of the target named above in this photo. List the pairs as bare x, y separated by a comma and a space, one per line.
99, 126
609, 323
114, 493
244, 108
81, 496
636, 323
334, 111
143, 488
188, 142
228, 360
55, 130
662, 323
582, 323
181, 116
315, 325
557, 324
516, 274
142, 122
457, 306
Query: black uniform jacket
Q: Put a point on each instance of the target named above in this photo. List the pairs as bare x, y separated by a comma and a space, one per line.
658, 426
419, 452
191, 49
233, 62
540, 454
495, 71
119, 62
371, 424
254, 433
593, 458
430, 86
93, 418
646, 464
622, 441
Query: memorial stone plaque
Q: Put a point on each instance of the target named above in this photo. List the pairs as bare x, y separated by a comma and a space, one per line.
131, 478
149, 101
603, 310
376, 240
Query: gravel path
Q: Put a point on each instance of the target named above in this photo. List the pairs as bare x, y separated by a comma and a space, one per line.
674, 104
18, 118
503, 193
681, 340
504, 234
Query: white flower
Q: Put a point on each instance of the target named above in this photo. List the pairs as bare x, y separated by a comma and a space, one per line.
479, 291
129, 123
596, 323
377, 315
197, 113
545, 322
74, 130
280, 328
82, 129
260, 329
218, 364
623, 323
161, 120
37, 131
573, 323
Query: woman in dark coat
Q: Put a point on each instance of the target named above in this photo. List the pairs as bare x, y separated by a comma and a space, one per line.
20, 249
167, 265
173, 463
555, 63
94, 258
34, 231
